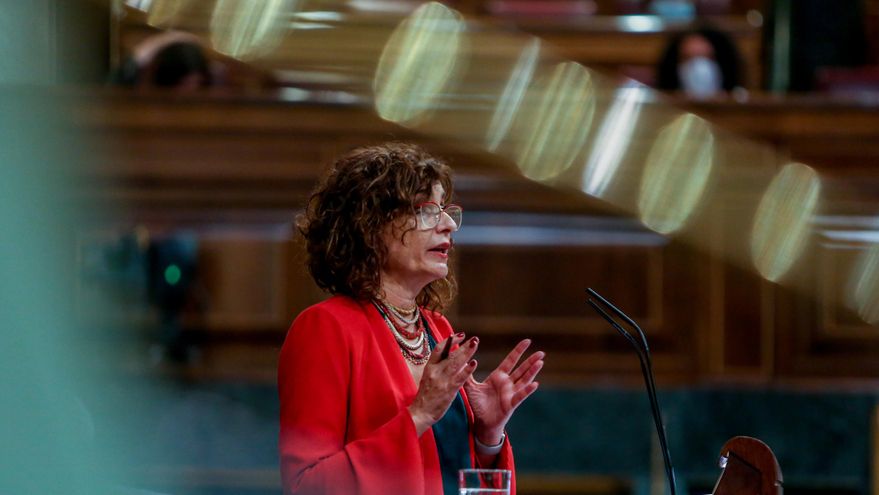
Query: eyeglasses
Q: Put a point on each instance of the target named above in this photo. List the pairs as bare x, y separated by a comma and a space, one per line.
429, 214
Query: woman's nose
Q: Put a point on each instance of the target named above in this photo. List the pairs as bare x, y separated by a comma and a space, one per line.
446, 222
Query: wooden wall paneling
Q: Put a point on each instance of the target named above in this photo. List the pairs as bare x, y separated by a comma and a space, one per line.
746, 342
239, 305
748, 327
302, 292
243, 275
510, 292
837, 262
685, 303
217, 152
568, 484
821, 335
740, 338
185, 154
242, 286
699, 313
305, 134
837, 138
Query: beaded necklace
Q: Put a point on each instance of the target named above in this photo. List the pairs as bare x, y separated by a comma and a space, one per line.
417, 352
406, 316
401, 329
408, 319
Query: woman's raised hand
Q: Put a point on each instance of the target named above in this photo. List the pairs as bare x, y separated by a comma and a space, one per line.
494, 400
441, 380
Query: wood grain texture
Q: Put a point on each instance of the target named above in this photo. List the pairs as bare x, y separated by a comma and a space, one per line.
236, 171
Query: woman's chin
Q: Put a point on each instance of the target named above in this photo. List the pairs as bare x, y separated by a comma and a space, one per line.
439, 271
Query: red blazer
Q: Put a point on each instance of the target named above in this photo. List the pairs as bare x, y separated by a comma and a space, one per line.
345, 388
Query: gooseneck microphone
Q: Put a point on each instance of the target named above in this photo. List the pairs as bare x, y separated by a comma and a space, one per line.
643, 351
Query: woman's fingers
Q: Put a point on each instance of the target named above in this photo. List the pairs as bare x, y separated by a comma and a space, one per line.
512, 358
523, 394
455, 369
463, 354
444, 375
439, 351
528, 378
443, 350
527, 366
465, 374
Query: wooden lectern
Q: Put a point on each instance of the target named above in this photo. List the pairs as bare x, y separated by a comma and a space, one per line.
749, 468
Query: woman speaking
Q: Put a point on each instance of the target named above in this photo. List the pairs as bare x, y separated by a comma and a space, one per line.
377, 391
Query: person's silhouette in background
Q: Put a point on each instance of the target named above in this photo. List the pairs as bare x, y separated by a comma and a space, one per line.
701, 63
173, 60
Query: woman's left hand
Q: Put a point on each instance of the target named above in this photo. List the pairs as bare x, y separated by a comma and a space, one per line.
494, 400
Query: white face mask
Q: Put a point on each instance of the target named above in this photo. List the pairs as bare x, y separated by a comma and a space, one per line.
700, 77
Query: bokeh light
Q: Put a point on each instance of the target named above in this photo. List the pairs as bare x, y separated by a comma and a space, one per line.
552, 128
865, 285
165, 13
514, 93
613, 138
173, 274
783, 220
676, 173
246, 29
417, 63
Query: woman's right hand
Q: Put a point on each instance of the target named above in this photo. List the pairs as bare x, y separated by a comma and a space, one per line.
441, 380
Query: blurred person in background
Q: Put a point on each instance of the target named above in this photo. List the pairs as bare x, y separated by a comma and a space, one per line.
702, 63
170, 60
376, 388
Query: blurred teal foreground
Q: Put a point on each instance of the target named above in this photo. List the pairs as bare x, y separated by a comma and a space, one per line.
47, 433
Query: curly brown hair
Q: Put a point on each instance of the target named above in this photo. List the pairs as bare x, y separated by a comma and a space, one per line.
365, 191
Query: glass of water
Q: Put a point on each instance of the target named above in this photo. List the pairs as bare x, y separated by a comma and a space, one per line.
484, 481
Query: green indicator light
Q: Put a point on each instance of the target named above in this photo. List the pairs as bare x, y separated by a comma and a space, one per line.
172, 274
